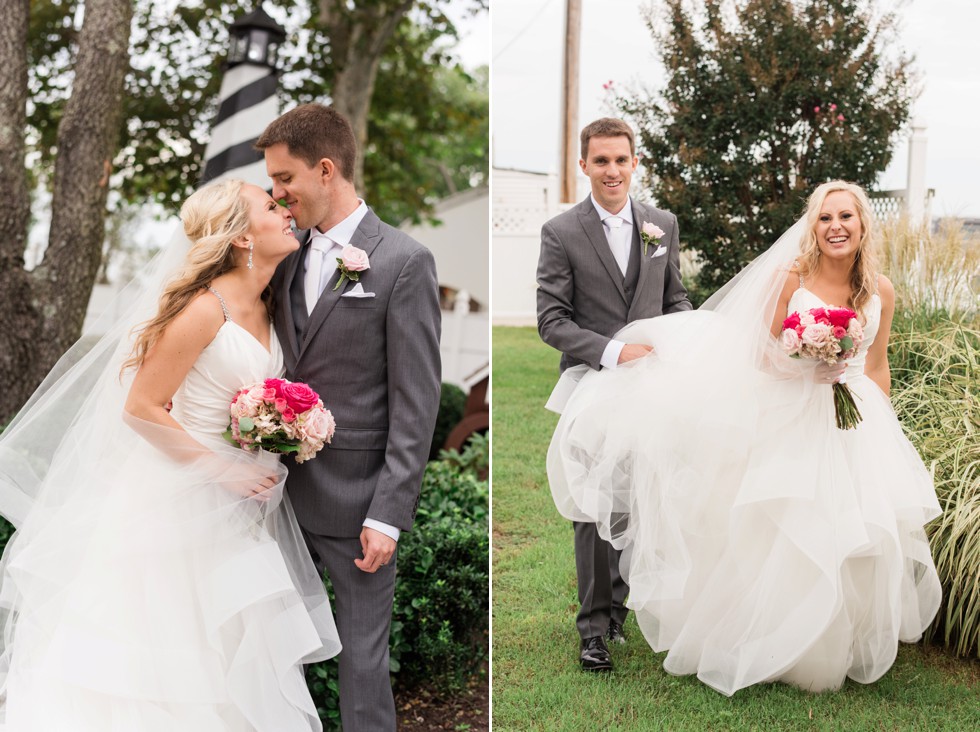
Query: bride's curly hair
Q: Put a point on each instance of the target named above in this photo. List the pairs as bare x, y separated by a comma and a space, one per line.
213, 217
865, 270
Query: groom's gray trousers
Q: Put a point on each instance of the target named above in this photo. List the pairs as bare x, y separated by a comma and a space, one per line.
362, 607
601, 588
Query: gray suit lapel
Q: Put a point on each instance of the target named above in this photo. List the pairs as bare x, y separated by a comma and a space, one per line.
286, 304
367, 236
641, 216
592, 225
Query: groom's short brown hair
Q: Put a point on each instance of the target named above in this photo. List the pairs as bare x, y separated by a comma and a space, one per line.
606, 127
312, 132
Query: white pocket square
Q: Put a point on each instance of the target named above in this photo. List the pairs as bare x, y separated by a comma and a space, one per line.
660, 252
357, 291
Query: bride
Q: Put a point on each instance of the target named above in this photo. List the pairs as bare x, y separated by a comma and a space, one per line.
157, 580
761, 542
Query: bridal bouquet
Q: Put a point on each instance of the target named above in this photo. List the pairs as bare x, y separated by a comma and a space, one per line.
280, 416
829, 335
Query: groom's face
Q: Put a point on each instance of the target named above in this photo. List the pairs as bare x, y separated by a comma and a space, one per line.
305, 189
610, 166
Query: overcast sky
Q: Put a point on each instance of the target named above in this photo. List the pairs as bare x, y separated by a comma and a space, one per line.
527, 35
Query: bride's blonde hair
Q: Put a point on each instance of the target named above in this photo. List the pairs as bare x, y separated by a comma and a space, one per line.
213, 217
864, 272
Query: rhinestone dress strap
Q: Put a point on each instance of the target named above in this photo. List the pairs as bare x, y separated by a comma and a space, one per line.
224, 307
796, 263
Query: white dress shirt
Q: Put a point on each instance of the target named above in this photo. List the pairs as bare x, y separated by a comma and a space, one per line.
620, 239
341, 235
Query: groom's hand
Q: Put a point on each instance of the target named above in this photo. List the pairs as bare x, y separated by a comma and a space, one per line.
378, 550
633, 351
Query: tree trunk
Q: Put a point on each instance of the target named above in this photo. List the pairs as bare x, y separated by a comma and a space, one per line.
17, 316
358, 38
58, 290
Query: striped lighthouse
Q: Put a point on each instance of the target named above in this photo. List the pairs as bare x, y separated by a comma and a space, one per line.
248, 100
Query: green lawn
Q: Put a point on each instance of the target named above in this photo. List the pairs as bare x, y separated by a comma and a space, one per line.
536, 681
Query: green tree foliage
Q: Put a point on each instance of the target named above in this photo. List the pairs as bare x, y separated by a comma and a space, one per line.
764, 100
427, 129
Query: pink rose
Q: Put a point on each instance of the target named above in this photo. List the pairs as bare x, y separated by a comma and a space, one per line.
246, 405
840, 118
818, 335
288, 415
298, 396
839, 332
269, 394
840, 316
320, 425
651, 230
281, 405
791, 341
354, 259
792, 321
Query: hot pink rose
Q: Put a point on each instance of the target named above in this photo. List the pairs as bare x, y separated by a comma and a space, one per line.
298, 396
840, 316
354, 259
793, 321
839, 332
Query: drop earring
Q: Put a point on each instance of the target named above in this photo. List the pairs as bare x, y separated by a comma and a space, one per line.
251, 246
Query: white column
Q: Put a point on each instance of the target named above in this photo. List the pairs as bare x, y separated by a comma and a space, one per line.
915, 188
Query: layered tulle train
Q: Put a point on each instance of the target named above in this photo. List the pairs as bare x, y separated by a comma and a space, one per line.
144, 592
760, 541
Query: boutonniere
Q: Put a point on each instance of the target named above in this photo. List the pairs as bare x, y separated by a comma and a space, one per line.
351, 262
650, 234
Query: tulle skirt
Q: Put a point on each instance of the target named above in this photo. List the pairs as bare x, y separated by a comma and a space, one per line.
761, 543
151, 596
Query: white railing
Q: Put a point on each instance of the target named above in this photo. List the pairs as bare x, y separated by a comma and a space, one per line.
465, 346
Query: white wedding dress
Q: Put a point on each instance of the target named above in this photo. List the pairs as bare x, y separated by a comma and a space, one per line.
144, 594
761, 543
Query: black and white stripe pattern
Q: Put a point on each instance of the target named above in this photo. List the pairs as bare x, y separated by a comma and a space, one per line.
248, 105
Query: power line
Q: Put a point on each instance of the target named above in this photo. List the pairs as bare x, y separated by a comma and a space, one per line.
523, 30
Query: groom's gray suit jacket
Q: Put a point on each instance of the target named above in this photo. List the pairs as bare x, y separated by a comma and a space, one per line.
375, 363
584, 298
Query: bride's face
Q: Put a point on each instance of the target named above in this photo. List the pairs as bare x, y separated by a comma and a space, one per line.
838, 226
271, 227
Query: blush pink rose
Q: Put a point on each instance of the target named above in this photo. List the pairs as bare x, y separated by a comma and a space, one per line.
652, 230
791, 341
354, 259
247, 404
818, 335
320, 425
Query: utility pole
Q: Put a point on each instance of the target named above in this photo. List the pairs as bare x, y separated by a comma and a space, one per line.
569, 116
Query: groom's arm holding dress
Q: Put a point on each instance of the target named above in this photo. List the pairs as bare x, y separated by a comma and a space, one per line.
569, 280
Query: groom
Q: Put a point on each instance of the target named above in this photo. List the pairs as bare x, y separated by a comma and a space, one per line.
369, 345
594, 276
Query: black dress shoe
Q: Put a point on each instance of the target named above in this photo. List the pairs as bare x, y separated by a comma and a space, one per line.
615, 633
595, 655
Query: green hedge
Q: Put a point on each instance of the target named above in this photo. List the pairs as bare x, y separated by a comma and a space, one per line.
452, 405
